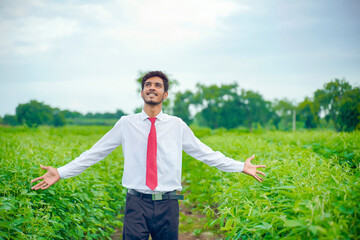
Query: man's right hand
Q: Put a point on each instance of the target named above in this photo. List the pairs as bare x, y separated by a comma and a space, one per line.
49, 178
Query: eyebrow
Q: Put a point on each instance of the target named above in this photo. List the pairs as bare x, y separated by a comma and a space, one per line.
154, 82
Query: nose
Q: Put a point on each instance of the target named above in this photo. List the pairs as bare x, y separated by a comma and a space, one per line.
152, 87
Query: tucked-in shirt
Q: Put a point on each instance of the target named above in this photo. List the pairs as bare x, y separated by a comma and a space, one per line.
173, 136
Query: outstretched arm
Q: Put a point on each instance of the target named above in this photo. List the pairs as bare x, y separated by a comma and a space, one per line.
49, 178
250, 169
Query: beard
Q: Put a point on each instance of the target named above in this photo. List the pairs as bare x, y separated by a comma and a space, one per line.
153, 102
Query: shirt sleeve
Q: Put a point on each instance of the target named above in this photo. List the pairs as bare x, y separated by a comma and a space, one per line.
97, 152
195, 148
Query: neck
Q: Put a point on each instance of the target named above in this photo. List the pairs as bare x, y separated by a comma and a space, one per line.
152, 110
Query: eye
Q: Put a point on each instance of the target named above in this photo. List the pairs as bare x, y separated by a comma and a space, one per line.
158, 85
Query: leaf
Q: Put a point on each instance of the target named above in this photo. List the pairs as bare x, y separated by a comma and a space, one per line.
31, 194
314, 230
24, 191
293, 223
284, 187
228, 225
335, 180
18, 221
345, 210
264, 225
5, 207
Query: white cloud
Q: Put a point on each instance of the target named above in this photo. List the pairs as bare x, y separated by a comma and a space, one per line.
96, 11
160, 24
33, 34
160, 13
137, 25
207, 41
34, 29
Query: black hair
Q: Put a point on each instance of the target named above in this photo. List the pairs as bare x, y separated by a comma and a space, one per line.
156, 74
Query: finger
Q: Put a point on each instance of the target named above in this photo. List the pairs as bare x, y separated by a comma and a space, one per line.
39, 185
44, 167
261, 173
260, 166
37, 179
261, 179
251, 158
257, 178
46, 187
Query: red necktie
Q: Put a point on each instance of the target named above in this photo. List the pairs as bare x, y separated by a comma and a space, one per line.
151, 166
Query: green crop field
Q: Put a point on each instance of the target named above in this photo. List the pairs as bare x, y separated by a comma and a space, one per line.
311, 191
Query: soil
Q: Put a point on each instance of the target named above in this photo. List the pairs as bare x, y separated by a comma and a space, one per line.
199, 222
203, 236
182, 236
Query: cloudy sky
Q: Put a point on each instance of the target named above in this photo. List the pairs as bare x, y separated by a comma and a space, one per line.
86, 55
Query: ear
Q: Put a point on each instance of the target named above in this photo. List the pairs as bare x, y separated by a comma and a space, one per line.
165, 95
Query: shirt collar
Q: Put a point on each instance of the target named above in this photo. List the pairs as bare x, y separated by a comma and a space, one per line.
144, 116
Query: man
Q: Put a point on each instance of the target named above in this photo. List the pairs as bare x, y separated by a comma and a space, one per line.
152, 145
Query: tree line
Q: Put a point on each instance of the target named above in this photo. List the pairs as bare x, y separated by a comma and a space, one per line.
335, 106
35, 113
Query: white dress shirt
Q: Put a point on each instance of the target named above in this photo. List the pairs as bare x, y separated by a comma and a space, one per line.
173, 136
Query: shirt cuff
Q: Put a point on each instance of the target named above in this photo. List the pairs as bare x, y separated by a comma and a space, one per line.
61, 172
241, 166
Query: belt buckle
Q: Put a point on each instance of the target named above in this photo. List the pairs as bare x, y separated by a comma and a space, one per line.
157, 196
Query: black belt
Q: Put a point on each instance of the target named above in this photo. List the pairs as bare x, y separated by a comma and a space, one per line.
157, 196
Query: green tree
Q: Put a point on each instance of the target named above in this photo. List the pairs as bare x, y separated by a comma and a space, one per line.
70, 114
256, 108
59, 118
220, 106
348, 118
89, 115
306, 113
34, 113
273, 118
328, 102
10, 120
119, 114
229, 107
181, 105
138, 109
283, 109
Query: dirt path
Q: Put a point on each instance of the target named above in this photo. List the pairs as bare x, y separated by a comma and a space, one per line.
191, 222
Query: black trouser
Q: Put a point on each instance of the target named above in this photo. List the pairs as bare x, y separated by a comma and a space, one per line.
144, 216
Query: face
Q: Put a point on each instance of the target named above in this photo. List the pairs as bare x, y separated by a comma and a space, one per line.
154, 92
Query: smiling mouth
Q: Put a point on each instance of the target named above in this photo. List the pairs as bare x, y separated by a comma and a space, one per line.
152, 94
